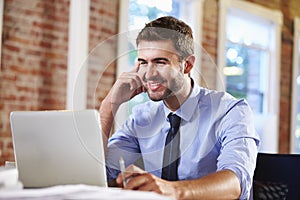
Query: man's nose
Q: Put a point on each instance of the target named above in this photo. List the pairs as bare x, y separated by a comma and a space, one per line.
151, 71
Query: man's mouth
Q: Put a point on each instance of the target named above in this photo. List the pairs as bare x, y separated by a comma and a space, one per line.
154, 86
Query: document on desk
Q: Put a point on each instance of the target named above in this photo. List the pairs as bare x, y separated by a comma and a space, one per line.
78, 192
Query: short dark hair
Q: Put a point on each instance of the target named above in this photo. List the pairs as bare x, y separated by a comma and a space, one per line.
169, 28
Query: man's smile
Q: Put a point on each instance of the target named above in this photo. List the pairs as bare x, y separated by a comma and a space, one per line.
154, 85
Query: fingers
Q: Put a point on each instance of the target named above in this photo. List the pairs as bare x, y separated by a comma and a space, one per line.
128, 85
150, 186
145, 182
132, 79
131, 171
136, 177
138, 181
133, 74
136, 67
139, 86
135, 169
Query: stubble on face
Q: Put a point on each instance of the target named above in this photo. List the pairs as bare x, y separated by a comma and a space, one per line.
171, 87
161, 69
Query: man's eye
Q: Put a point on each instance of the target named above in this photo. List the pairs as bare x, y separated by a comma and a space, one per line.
143, 64
160, 63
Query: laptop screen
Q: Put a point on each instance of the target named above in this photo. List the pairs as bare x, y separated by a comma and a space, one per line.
58, 147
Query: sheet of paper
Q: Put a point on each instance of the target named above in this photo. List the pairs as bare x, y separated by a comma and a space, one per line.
8, 178
78, 192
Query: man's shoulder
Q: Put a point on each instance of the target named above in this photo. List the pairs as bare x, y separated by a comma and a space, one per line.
219, 99
210, 95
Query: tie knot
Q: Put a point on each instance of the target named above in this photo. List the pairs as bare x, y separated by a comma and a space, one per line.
174, 120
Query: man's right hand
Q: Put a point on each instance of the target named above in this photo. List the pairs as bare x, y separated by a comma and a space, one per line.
128, 85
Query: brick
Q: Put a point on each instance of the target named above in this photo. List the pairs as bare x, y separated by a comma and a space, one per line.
35, 38
12, 48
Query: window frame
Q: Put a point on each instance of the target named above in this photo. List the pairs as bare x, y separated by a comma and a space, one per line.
276, 19
76, 97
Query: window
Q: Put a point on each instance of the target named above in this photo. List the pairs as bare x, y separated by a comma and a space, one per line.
249, 44
247, 57
295, 122
133, 16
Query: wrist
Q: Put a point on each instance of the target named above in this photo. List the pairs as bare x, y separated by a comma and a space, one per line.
180, 191
110, 106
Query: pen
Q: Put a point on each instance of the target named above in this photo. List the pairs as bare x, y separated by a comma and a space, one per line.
122, 168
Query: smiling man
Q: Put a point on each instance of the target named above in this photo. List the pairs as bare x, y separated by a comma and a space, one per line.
195, 143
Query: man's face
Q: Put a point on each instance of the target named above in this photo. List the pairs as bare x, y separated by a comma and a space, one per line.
160, 69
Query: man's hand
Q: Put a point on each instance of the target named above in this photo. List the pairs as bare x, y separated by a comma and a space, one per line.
223, 184
138, 179
128, 85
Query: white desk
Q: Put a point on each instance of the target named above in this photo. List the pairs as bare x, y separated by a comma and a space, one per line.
11, 189
78, 192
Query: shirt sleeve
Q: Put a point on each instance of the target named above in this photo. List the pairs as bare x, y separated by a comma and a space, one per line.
239, 145
122, 143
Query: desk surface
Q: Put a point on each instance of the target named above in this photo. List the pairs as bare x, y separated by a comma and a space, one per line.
78, 192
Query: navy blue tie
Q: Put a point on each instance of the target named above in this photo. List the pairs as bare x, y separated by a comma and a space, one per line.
172, 150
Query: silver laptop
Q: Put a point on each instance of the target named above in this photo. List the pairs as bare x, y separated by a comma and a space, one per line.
58, 147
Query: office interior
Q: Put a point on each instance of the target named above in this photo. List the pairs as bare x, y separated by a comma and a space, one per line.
66, 54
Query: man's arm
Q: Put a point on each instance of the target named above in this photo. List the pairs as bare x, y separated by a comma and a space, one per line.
219, 185
128, 85
107, 113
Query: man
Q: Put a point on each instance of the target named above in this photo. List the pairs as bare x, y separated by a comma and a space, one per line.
215, 146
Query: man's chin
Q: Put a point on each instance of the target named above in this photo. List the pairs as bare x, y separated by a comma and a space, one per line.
154, 98
158, 97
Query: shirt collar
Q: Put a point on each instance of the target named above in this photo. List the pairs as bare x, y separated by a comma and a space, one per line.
187, 109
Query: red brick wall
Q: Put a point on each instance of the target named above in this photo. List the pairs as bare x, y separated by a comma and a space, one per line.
103, 49
286, 75
209, 43
34, 57
34, 61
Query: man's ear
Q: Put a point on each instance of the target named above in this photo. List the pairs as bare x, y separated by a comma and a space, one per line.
189, 64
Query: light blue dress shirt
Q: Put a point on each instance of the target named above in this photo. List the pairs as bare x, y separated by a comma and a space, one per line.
216, 133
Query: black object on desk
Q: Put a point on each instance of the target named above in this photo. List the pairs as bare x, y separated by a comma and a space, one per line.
277, 176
